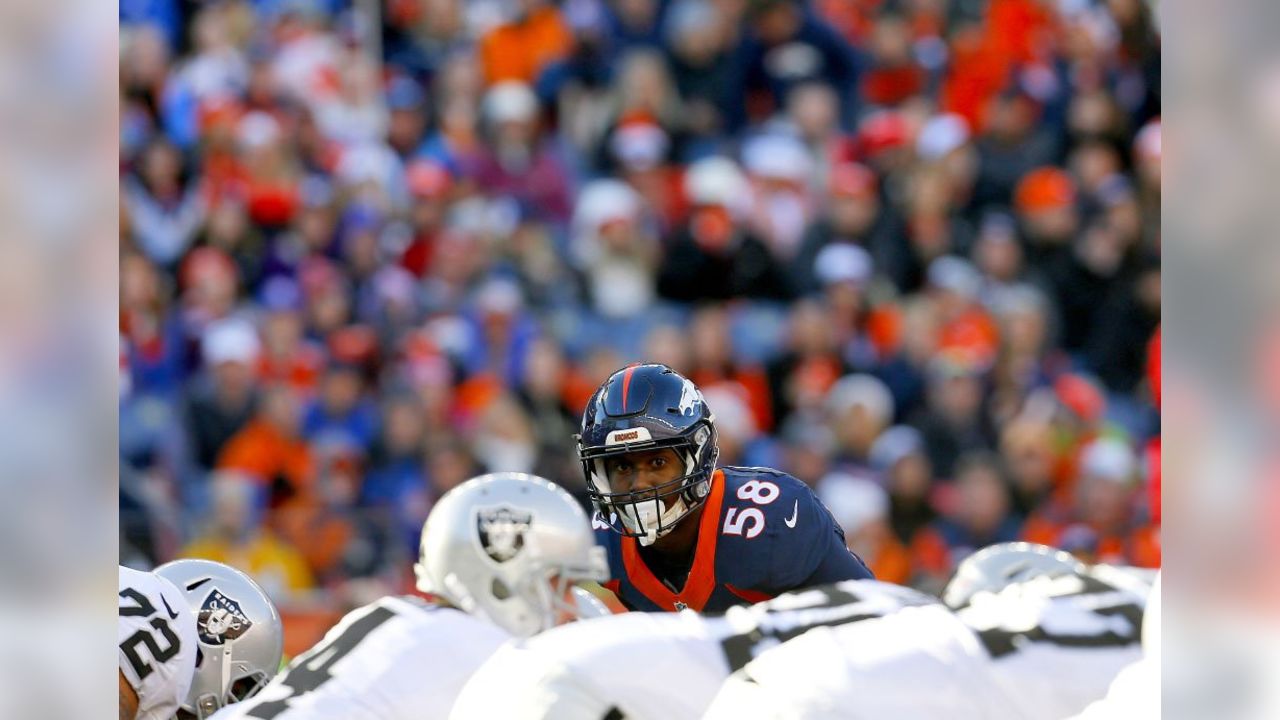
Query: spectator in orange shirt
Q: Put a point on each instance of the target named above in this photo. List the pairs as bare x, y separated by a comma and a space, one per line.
521, 49
862, 509
1102, 525
270, 448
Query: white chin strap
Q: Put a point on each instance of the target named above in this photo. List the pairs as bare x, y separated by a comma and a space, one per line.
648, 518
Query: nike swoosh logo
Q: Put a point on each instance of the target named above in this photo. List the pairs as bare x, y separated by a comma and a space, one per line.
172, 615
795, 513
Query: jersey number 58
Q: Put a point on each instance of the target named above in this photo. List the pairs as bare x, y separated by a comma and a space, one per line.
749, 522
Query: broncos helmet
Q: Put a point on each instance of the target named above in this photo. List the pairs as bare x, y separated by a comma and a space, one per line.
639, 408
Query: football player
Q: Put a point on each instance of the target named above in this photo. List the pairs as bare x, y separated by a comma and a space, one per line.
657, 666
239, 638
500, 553
1025, 631
157, 643
682, 533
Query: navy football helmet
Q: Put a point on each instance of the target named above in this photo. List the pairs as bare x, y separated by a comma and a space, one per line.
639, 408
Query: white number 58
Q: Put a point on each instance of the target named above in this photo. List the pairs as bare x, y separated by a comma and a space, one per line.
736, 522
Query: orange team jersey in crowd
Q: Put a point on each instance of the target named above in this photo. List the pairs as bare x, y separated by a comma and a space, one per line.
264, 452
891, 562
520, 50
1138, 546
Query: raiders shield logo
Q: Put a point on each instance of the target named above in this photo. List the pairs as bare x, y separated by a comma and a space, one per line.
220, 619
501, 531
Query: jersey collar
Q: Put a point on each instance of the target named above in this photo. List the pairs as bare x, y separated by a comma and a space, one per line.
702, 574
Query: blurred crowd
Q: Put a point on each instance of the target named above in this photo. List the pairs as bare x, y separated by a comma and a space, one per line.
909, 249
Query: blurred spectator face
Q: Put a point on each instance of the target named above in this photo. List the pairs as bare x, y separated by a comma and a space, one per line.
1009, 119
1106, 501
860, 408
777, 22
280, 409
161, 165
211, 288
405, 127
638, 14
1101, 249
667, 344
1092, 115
341, 390
505, 439
709, 337
282, 333
545, 370
1146, 153
402, 429
814, 109
139, 283
810, 330
1025, 326
1027, 449
315, 225
232, 505
911, 477
145, 59
999, 256
448, 467
956, 395
699, 36
891, 41
983, 499
1093, 162
644, 84
921, 327
228, 224
854, 200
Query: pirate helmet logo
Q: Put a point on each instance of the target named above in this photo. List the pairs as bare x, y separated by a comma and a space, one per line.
220, 619
502, 530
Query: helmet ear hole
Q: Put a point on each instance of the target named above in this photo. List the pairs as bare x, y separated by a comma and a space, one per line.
500, 589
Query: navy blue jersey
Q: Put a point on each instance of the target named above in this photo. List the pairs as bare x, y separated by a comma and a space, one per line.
762, 533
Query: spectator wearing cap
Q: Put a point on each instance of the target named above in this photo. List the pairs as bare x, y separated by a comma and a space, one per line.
287, 356
846, 275
968, 331
781, 171
644, 91
1046, 204
853, 215
1102, 524
407, 115
714, 256
155, 343
859, 408
1010, 144
892, 75
1027, 449
788, 46
499, 331
1024, 361
954, 420
395, 491
1083, 275
704, 68
614, 250
516, 161
341, 415
230, 350
809, 364
861, 507
713, 363
636, 23
544, 394
898, 455
977, 515
520, 49
1130, 310
430, 185
230, 229
235, 534
639, 151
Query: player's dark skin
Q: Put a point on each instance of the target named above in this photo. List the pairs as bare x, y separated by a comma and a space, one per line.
651, 468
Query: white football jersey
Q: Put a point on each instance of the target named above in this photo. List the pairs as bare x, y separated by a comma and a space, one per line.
1044, 648
157, 643
399, 658
656, 666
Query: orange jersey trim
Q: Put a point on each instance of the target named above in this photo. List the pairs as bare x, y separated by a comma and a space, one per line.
702, 575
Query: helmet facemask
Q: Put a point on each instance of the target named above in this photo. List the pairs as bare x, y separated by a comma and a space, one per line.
651, 513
